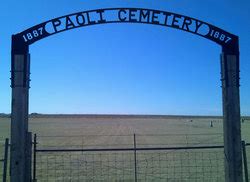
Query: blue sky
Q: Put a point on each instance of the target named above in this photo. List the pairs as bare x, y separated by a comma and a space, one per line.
125, 68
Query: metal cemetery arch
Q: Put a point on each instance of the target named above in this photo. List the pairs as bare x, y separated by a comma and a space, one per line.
20, 70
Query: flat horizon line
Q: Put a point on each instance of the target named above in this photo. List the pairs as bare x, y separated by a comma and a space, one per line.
121, 115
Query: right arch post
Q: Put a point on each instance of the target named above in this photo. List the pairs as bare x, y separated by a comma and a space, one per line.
231, 115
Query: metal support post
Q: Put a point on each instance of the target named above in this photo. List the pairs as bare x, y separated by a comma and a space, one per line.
135, 158
28, 160
34, 158
245, 161
5, 161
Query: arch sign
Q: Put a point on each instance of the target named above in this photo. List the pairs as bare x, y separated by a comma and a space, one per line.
20, 70
128, 15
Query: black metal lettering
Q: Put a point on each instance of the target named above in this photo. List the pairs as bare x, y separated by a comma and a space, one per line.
155, 17
89, 21
166, 17
56, 23
144, 16
132, 15
119, 15
101, 16
69, 23
80, 19
186, 23
198, 25
176, 19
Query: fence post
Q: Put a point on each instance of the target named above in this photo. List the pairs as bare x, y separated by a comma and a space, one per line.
5, 160
34, 158
28, 156
135, 158
245, 161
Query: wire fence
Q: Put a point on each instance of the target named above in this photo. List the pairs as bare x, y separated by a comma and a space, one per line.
135, 161
4, 150
125, 141
188, 165
1, 158
131, 162
247, 158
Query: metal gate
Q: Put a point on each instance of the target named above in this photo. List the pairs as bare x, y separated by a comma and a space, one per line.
195, 163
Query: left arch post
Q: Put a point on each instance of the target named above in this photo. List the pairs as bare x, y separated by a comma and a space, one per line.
21, 139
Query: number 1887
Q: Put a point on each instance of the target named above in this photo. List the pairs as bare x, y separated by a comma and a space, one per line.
33, 34
222, 37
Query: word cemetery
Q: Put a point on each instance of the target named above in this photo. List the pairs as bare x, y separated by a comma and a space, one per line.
131, 15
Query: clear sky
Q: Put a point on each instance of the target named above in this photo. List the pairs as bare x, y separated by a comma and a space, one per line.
125, 68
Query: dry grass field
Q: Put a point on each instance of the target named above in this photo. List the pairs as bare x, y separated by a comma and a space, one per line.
117, 132
102, 130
